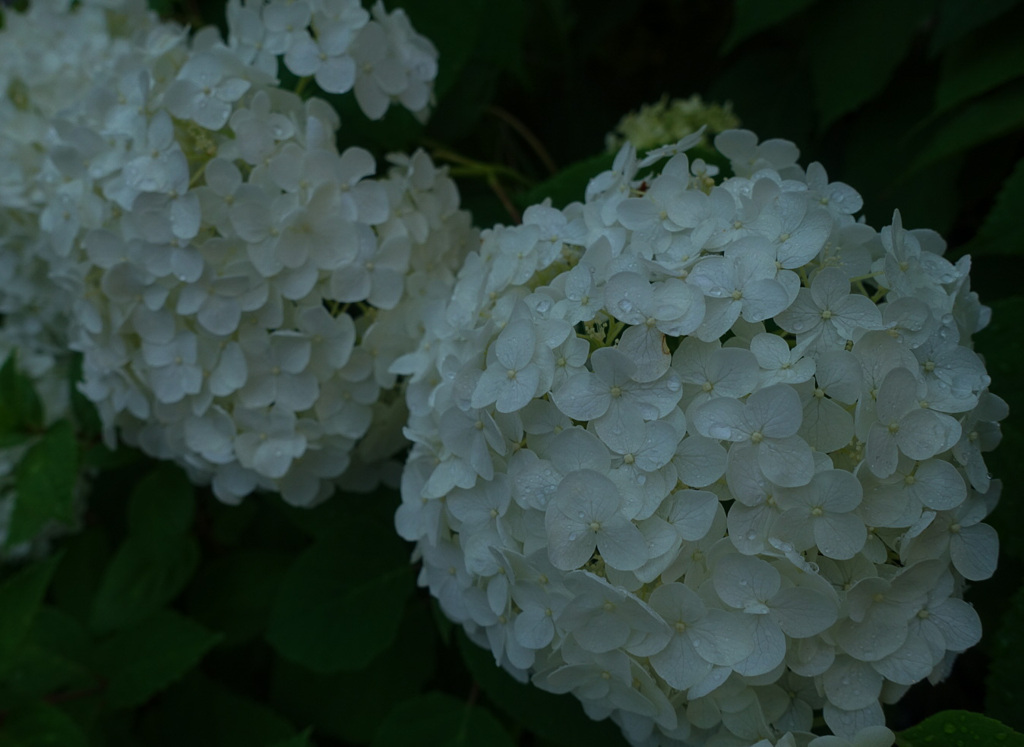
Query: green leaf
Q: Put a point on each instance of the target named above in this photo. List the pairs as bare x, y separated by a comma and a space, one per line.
988, 118
52, 658
844, 77
1004, 687
55, 656
158, 557
235, 593
454, 27
351, 705
959, 729
502, 36
40, 725
330, 614
1003, 230
569, 184
20, 407
980, 64
754, 16
162, 505
201, 712
142, 577
557, 718
20, 598
299, 740
45, 483
957, 18
140, 661
441, 720
77, 579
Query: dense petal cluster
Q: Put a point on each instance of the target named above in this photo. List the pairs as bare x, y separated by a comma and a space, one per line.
707, 452
376, 54
237, 288
49, 56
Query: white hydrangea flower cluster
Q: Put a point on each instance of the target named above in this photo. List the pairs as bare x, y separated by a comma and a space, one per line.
50, 54
706, 452
238, 287
377, 55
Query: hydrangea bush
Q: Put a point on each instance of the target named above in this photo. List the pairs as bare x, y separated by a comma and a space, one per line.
707, 452
238, 287
702, 459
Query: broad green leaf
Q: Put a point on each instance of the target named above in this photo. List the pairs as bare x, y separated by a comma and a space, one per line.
20, 597
957, 18
1004, 687
770, 111
235, 593
454, 27
504, 24
844, 77
54, 656
959, 729
351, 705
336, 608
77, 579
142, 577
45, 482
1003, 230
569, 184
754, 16
1002, 347
980, 64
142, 660
443, 721
20, 407
40, 725
397, 130
989, 117
299, 740
162, 505
463, 106
557, 718
201, 712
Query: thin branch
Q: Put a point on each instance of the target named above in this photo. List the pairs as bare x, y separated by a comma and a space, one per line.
526, 134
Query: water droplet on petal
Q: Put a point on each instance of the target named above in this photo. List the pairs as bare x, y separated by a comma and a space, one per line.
641, 479
580, 515
751, 536
572, 537
626, 305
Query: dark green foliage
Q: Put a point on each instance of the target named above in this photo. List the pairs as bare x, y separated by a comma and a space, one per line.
442, 720
170, 619
45, 479
341, 602
960, 729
